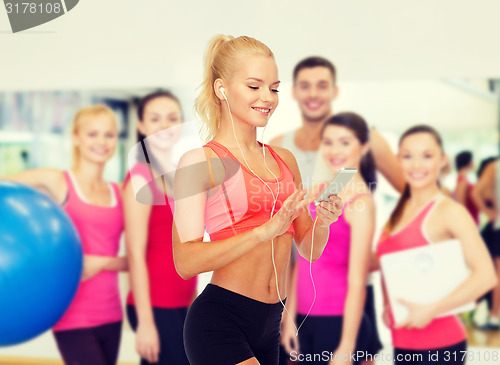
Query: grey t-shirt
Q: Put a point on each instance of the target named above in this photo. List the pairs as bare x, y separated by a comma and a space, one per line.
305, 159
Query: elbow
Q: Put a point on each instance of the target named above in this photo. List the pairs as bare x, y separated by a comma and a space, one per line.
489, 280
185, 274
184, 270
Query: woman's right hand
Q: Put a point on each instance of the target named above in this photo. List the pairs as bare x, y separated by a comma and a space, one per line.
147, 342
93, 265
280, 222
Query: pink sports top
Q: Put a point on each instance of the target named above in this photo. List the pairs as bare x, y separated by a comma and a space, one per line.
166, 288
441, 332
330, 271
97, 300
242, 202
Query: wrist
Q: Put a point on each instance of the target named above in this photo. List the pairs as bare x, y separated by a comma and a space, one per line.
346, 346
434, 309
146, 323
260, 234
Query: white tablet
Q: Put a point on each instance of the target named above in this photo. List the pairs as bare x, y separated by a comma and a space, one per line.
424, 275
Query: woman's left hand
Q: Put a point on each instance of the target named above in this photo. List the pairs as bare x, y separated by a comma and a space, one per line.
420, 315
341, 356
329, 212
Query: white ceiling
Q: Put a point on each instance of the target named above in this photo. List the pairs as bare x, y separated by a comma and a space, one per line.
141, 43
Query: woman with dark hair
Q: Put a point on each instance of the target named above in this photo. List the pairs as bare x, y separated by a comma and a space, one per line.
336, 322
159, 299
424, 216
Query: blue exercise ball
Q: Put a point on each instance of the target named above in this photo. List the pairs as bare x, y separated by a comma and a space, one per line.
41, 262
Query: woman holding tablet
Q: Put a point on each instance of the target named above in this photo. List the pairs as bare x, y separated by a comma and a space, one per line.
424, 216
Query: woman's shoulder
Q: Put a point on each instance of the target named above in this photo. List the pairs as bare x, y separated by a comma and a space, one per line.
51, 178
361, 206
449, 209
283, 153
287, 157
194, 156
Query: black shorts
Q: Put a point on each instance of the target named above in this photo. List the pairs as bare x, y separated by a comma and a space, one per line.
320, 336
491, 237
90, 346
374, 344
169, 323
224, 328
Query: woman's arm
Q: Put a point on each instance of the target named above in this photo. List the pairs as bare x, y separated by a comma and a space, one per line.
386, 160
192, 256
460, 225
484, 184
374, 262
93, 265
289, 338
482, 278
461, 192
136, 234
49, 181
362, 223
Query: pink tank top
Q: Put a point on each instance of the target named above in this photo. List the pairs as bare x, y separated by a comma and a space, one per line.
329, 271
243, 202
97, 300
441, 332
166, 288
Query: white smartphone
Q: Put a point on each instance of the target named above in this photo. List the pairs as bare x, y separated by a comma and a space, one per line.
337, 184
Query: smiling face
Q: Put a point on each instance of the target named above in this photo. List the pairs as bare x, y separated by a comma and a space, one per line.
252, 91
421, 159
314, 90
160, 122
96, 138
341, 148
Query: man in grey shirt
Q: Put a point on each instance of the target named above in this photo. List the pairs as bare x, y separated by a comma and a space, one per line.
314, 89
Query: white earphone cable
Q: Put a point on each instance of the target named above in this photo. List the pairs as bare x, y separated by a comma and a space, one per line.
275, 199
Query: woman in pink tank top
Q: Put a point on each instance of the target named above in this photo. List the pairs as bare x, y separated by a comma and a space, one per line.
249, 198
89, 332
159, 297
336, 323
423, 216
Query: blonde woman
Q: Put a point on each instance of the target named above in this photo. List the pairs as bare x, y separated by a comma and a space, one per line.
236, 320
89, 332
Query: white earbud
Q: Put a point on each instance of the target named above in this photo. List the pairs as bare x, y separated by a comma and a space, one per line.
222, 92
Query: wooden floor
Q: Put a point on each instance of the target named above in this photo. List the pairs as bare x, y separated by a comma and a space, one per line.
480, 338
475, 338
